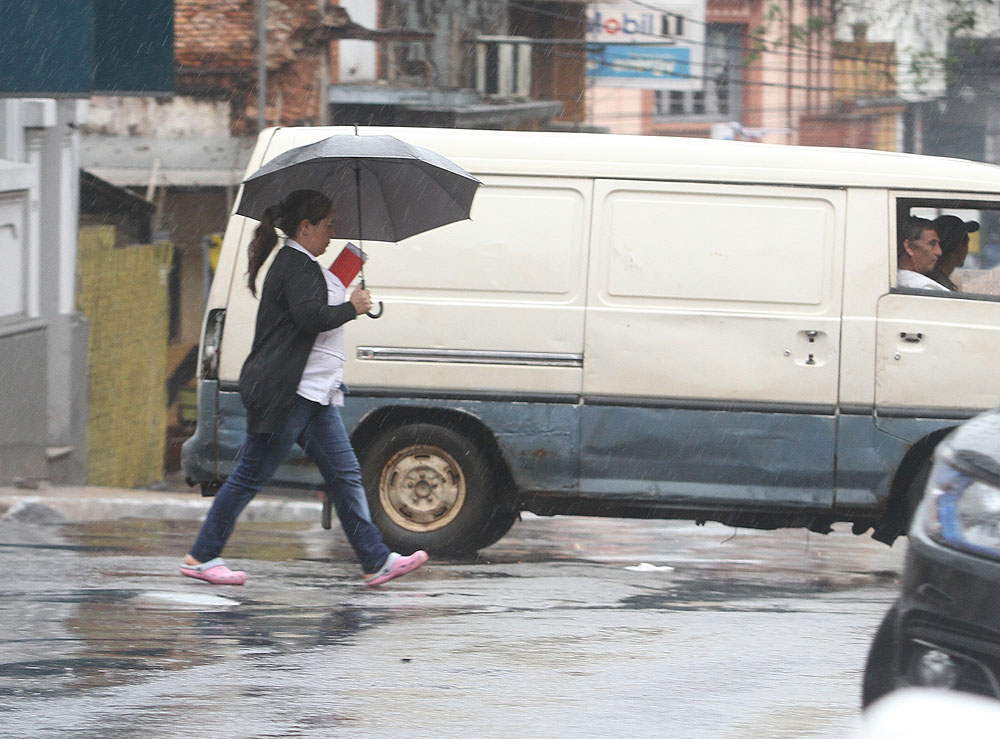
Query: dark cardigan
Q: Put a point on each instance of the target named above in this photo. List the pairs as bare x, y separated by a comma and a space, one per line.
293, 310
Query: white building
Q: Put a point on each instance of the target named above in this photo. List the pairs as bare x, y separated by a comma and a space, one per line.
43, 339
921, 30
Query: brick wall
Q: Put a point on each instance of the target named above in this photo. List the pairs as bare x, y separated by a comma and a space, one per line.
215, 33
123, 293
853, 131
215, 48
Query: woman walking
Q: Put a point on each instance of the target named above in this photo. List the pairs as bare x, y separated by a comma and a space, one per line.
291, 387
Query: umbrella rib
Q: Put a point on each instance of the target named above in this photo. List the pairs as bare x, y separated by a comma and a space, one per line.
361, 162
429, 177
395, 236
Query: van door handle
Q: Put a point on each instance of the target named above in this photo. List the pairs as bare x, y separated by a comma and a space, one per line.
911, 337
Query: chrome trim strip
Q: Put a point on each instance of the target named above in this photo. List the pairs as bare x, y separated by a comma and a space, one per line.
463, 356
407, 395
735, 406
949, 414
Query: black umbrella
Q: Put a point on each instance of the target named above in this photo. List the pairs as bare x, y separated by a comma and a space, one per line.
382, 188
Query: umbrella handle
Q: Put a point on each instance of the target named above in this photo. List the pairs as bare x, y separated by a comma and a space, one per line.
369, 313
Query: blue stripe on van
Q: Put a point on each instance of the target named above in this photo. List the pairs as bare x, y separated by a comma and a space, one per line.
679, 454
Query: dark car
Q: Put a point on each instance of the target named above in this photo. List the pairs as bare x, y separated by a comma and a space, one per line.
944, 629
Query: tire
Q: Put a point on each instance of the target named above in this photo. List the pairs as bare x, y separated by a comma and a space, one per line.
880, 678
430, 488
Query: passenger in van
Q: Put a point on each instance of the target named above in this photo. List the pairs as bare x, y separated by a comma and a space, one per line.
291, 387
953, 233
917, 253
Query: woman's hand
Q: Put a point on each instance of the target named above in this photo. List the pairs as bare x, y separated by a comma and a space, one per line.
361, 299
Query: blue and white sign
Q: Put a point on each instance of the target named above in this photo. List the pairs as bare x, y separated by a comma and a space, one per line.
652, 45
625, 62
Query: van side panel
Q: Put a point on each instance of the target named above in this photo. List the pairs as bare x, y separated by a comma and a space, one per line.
705, 458
869, 455
539, 441
494, 303
713, 339
711, 292
867, 458
937, 353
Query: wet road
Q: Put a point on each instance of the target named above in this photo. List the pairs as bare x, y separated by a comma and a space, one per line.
574, 626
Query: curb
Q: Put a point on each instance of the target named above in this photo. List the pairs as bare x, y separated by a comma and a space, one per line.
86, 504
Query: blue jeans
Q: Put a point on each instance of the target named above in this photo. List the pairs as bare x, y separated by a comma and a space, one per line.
320, 432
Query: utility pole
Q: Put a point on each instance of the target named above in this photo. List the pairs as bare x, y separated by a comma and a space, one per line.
261, 64
323, 117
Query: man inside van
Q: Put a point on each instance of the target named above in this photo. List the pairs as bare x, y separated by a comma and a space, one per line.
918, 252
954, 235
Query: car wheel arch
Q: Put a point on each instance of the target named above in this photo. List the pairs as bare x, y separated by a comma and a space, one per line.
377, 422
901, 504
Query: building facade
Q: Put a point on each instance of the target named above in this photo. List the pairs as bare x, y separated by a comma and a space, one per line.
450, 63
52, 57
43, 338
762, 67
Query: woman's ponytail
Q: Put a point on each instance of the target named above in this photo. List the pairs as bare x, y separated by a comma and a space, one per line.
301, 205
264, 239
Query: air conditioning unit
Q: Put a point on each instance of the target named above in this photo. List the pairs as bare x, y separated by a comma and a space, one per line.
503, 66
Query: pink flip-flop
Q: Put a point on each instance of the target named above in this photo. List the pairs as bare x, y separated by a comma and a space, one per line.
397, 565
214, 571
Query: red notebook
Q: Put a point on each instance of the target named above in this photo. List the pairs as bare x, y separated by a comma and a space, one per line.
347, 264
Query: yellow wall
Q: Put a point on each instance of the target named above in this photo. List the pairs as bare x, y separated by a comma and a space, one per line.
123, 293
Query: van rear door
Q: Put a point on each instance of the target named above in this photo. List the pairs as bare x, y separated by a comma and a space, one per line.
712, 343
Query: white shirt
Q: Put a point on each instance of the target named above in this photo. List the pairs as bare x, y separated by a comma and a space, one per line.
909, 278
324, 372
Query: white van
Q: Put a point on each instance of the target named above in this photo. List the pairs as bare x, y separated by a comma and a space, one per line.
642, 327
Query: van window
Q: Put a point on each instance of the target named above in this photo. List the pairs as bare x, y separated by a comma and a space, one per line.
521, 238
732, 246
978, 275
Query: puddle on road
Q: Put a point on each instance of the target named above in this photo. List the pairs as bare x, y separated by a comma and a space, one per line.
717, 593
119, 637
269, 541
182, 600
113, 636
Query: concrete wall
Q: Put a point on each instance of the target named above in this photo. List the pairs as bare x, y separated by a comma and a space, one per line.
22, 417
178, 115
123, 293
43, 390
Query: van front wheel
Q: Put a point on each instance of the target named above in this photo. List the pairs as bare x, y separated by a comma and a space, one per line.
429, 488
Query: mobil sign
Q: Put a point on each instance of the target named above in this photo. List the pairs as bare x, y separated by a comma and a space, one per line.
649, 45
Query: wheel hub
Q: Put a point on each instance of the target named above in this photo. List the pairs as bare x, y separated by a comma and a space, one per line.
422, 488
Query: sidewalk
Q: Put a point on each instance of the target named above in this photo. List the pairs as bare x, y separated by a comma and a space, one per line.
87, 503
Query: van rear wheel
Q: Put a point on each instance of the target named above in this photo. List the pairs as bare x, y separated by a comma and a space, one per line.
430, 488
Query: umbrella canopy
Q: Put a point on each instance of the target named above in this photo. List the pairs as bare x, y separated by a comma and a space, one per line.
382, 188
